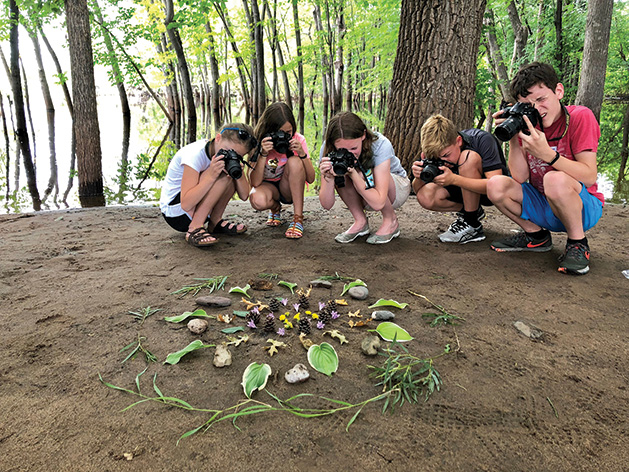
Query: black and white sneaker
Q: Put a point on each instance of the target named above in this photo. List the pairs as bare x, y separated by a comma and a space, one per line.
462, 233
480, 214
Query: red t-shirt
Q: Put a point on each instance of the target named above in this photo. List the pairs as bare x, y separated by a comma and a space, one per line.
582, 135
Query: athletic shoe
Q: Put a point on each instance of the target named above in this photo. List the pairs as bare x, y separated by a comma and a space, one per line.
480, 214
462, 233
575, 260
523, 242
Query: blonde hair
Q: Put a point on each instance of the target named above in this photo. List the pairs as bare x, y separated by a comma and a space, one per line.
437, 133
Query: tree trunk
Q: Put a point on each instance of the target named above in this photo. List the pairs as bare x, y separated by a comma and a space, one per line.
172, 94
539, 37
7, 149
434, 70
27, 104
182, 65
521, 36
258, 36
624, 150
214, 76
300, 69
53, 181
324, 66
123, 174
339, 65
20, 117
89, 157
594, 66
558, 36
495, 55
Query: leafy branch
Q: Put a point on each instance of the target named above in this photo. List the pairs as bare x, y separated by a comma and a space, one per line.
406, 377
443, 317
336, 276
137, 348
143, 313
212, 284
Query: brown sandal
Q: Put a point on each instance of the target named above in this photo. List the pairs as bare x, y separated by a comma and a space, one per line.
296, 228
197, 238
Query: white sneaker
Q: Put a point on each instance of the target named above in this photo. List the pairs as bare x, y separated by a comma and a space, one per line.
462, 233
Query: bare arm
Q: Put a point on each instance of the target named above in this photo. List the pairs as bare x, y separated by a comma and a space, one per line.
326, 192
377, 196
195, 185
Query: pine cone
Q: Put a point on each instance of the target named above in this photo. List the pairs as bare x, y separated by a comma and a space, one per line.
332, 305
274, 305
253, 316
304, 301
269, 324
304, 326
325, 315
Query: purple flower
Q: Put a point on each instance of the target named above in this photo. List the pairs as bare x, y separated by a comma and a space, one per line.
256, 310
320, 325
251, 324
335, 315
270, 316
284, 301
321, 306
296, 306
281, 331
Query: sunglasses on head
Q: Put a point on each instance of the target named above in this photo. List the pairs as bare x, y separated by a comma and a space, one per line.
243, 135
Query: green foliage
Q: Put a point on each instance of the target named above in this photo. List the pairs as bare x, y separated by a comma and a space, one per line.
137, 347
211, 284
174, 357
323, 358
143, 313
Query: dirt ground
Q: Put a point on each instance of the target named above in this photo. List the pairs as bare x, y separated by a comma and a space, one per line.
508, 403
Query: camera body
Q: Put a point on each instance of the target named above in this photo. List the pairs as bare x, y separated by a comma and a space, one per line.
514, 122
431, 169
342, 160
232, 162
281, 142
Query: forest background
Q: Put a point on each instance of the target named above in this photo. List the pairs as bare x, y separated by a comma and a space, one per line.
98, 95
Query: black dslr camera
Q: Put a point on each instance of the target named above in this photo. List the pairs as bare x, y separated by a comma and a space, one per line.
514, 122
281, 142
341, 160
232, 162
431, 169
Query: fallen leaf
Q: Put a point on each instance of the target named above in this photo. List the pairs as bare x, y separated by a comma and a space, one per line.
251, 304
261, 284
356, 314
335, 333
128, 456
359, 323
305, 342
341, 301
237, 341
224, 318
273, 347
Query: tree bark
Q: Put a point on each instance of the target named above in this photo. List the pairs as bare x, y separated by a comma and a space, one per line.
7, 149
624, 152
559, 36
434, 70
300, 69
88, 151
324, 66
339, 64
20, 117
594, 65
521, 36
182, 65
539, 37
497, 60
214, 76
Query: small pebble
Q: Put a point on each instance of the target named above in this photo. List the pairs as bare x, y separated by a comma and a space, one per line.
529, 330
222, 356
321, 284
197, 326
297, 374
358, 293
382, 315
213, 301
370, 345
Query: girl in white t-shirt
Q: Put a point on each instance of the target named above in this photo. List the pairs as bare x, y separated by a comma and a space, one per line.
282, 169
197, 187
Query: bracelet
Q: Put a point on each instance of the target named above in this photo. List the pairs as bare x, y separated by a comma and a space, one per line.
302, 158
557, 156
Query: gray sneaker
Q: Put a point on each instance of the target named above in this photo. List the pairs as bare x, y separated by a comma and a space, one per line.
347, 237
462, 233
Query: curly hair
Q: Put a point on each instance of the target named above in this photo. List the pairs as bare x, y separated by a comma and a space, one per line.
533, 74
348, 125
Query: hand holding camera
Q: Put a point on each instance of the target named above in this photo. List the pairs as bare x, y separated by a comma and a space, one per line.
232, 162
514, 120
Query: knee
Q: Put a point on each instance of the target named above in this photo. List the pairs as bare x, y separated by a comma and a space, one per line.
498, 186
258, 202
558, 185
426, 198
295, 168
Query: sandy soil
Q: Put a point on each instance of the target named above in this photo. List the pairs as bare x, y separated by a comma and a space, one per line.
508, 403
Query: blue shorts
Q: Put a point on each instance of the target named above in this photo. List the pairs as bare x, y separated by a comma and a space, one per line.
535, 208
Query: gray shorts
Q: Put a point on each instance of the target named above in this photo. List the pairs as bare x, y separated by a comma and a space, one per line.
402, 191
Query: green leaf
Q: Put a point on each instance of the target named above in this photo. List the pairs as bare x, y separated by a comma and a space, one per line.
255, 377
323, 358
355, 283
232, 330
288, 285
241, 314
179, 318
383, 302
243, 290
155, 387
390, 331
175, 357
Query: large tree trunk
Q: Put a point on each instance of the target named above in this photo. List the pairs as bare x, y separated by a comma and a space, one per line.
300, 69
594, 66
434, 70
7, 150
258, 35
559, 35
20, 116
53, 183
88, 151
339, 65
184, 72
324, 66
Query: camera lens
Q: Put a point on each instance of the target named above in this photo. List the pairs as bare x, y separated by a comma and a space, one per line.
509, 128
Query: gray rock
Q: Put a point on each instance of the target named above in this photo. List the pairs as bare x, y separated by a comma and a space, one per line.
529, 330
297, 374
213, 301
321, 283
370, 345
222, 356
358, 293
197, 326
382, 315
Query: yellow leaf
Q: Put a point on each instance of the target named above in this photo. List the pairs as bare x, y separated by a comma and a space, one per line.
305, 342
341, 302
335, 333
356, 314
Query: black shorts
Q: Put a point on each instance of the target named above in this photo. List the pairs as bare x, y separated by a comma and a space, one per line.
182, 222
456, 196
277, 185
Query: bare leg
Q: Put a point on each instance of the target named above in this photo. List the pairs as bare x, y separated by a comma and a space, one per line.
562, 192
434, 197
355, 204
507, 195
293, 182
